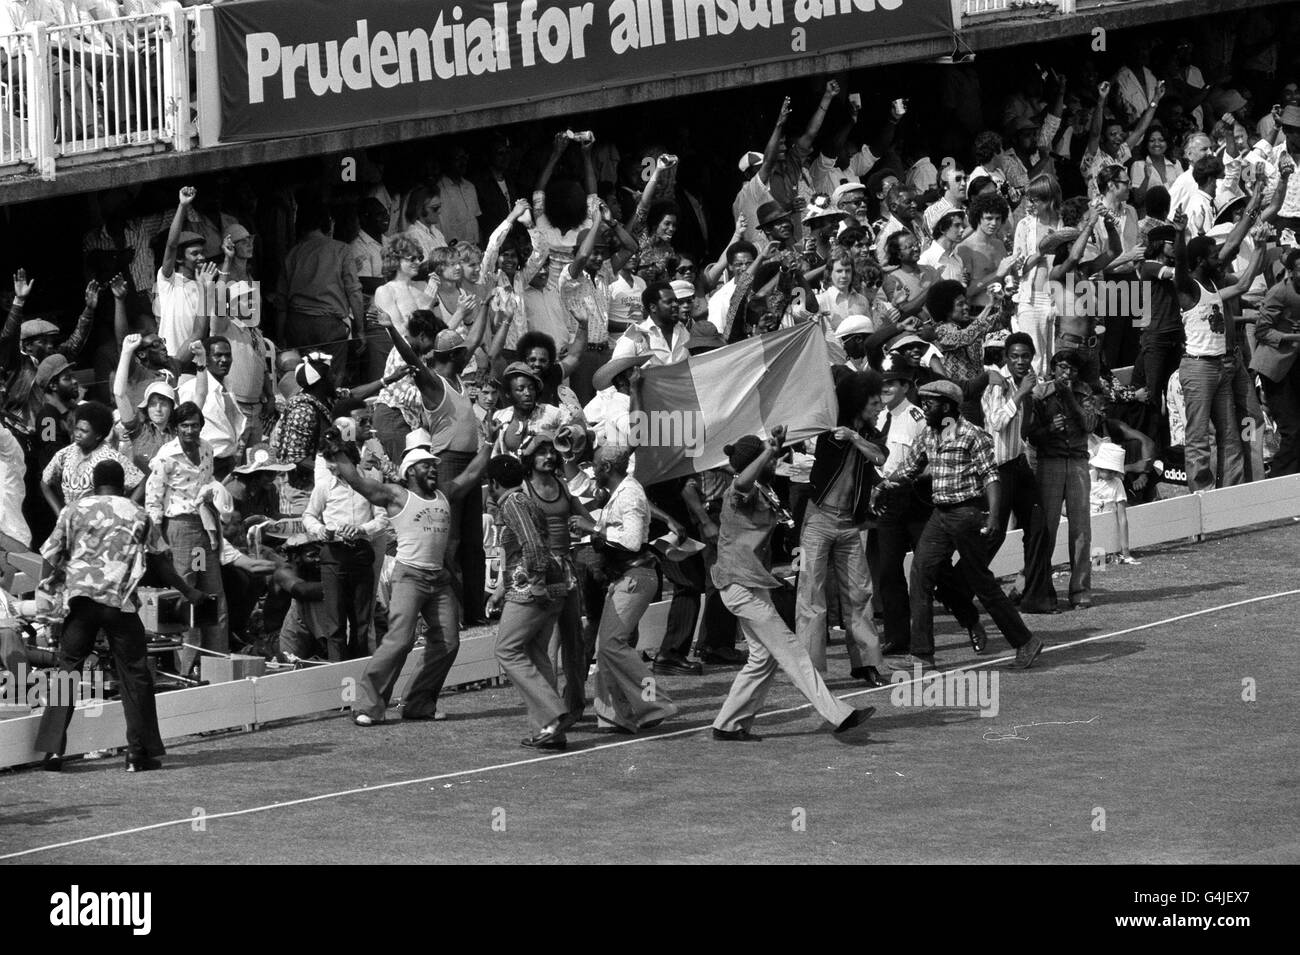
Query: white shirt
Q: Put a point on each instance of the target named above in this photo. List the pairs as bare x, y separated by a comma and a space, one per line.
948, 264
1200, 214
752, 195
625, 519
223, 422
333, 505
460, 210
625, 299
178, 310
427, 237
13, 466
906, 425
367, 255
1200, 323
652, 341
719, 304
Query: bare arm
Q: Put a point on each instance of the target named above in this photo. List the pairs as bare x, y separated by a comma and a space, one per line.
1140, 130
815, 123
168, 265
774, 143
558, 146
377, 493
120, 380
430, 385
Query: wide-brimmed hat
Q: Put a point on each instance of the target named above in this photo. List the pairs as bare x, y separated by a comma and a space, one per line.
419, 438
259, 458
535, 440
1108, 457
1050, 243
669, 548
604, 376
854, 325
160, 388
770, 212
820, 208
415, 457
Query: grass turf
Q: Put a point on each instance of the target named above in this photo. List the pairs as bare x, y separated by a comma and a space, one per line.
1184, 770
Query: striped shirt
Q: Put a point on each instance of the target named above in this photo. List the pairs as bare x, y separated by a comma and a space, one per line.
960, 457
1003, 418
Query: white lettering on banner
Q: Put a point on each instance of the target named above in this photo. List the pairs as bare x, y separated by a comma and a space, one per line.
452, 47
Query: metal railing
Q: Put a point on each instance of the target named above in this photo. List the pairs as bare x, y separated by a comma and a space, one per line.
80, 89
975, 8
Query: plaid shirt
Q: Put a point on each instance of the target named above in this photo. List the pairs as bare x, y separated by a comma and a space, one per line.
960, 457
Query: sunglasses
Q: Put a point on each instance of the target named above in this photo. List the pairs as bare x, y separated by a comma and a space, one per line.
684, 270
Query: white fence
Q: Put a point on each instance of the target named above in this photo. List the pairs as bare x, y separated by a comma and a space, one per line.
94, 87
975, 8
320, 690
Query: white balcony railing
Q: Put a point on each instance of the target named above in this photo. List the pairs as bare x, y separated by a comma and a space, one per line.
975, 8
92, 87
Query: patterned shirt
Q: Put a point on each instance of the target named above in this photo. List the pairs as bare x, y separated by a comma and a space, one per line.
532, 573
403, 395
960, 457
298, 434
175, 482
1095, 162
74, 471
963, 346
98, 550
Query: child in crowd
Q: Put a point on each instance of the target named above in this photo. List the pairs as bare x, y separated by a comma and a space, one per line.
1108, 494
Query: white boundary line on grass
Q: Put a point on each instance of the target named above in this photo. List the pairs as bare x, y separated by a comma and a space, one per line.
603, 747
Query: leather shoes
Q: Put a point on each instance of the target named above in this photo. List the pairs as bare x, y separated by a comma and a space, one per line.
978, 638
53, 763
675, 664
1083, 603
1028, 653
724, 656
741, 735
869, 675
854, 719
143, 764
1036, 608
569, 720
554, 740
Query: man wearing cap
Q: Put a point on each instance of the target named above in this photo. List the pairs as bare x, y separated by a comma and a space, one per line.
346, 524
25, 344
420, 516
1277, 340
853, 335
179, 298
967, 496
851, 199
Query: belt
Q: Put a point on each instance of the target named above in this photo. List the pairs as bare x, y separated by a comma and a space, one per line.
969, 502
1211, 357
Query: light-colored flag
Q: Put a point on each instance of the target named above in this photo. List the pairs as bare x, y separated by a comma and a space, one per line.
693, 409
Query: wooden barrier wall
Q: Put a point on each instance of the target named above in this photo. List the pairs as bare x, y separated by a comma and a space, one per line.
318, 690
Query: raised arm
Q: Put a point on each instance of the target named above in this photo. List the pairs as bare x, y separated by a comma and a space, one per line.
747, 478
558, 146
805, 142
168, 265
378, 494
430, 385
774, 143
120, 380
1140, 130
1098, 118
72, 346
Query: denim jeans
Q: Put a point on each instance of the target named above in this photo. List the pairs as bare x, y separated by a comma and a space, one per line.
1066, 480
1208, 398
416, 593
833, 543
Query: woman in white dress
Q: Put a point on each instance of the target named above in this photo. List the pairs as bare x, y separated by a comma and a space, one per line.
1157, 169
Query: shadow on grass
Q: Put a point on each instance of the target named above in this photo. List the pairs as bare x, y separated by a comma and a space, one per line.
249, 754
49, 814
1102, 598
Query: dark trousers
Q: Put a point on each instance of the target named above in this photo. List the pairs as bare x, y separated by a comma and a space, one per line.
718, 629
347, 577
1020, 497
392, 430
464, 557
323, 333
588, 362
684, 610
575, 657
128, 644
958, 529
1066, 480
1284, 403
893, 539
